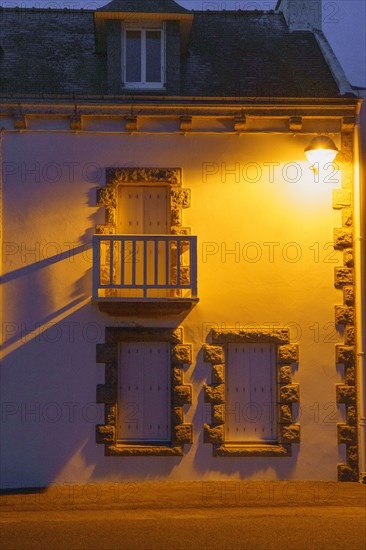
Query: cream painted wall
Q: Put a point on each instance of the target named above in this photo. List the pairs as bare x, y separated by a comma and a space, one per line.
277, 218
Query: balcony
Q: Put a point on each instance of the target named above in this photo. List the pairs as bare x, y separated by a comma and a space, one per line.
144, 274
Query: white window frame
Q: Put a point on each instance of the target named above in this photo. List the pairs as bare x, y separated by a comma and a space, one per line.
144, 28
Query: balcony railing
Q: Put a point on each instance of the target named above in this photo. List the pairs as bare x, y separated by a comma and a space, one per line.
144, 268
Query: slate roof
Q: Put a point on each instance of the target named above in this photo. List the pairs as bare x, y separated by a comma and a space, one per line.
143, 6
250, 54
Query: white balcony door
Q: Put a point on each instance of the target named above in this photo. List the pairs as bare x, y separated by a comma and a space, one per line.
250, 393
145, 211
144, 395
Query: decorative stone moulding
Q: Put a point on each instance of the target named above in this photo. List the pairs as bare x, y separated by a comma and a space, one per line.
181, 393
179, 197
295, 123
287, 393
344, 313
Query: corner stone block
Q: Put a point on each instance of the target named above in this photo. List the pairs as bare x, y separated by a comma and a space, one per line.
214, 435
348, 295
345, 473
349, 336
344, 315
350, 375
107, 353
343, 276
290, 434
177, 376
290, 393
348, 257
341, 199
106, 393
110, 414
182, 354
352, 455
351, 415
285, 414
347, 217
345, 355
183, 433
214, 394
347, 434
218, 374
218, 414
343, 238
105, 434
182, 395
177, 415
213, 354
285, 374
106, 196
345, 394
288, 353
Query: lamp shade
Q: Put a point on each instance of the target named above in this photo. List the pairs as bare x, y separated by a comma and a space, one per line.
321, 150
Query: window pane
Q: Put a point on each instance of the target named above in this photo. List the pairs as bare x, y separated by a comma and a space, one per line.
133, 56
153, 56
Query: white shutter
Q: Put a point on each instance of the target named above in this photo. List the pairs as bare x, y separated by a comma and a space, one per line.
250, 393
130, 210
144, 392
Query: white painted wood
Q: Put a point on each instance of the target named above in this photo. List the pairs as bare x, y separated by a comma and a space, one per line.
250, 393
144, 391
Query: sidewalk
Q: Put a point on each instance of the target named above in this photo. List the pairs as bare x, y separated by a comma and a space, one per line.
183, 495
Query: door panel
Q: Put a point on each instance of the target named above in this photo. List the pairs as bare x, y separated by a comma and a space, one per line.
144, 394
250, 393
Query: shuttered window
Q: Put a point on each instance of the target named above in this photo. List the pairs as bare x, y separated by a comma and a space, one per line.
144, 394
250, 393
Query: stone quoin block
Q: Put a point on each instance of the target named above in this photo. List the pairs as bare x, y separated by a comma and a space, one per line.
349, 336
288, 353
348, 259
351, 415
177, 415
218, 414
285, 414
347, 473
177, 376
214, 394
350, 375
181, 354
345, 355
213, 434
343, 276
290, 434
290, 393
348, 295
347, 434
106, 353
343, 238
285, 374
105, 434
347, 217
213, 354
106, 393
182, 395
345, 394
183, 433
344, 315
218, 374
341, 198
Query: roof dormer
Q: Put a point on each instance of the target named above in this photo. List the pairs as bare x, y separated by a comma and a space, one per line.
143, 41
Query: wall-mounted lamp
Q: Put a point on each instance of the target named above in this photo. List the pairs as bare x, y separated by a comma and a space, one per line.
321, 150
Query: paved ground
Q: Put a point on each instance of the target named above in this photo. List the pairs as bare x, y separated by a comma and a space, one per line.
197, 515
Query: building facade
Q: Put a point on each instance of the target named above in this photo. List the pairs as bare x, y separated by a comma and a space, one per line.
182, 292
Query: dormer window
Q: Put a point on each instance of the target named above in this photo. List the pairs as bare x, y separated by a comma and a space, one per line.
144, 57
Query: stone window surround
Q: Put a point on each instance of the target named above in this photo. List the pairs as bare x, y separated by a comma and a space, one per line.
172, 177
181, 394
288, 393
